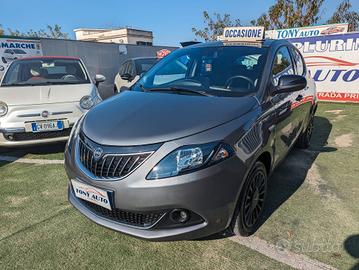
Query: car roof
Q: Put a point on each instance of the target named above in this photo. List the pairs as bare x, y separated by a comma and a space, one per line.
48, 57
142, 58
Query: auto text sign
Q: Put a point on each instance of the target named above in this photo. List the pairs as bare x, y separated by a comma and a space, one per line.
16, 48
249, 34
91, 194
311, 31
333, 62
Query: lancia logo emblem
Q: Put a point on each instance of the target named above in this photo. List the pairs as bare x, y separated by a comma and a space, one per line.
97, 154
45, 114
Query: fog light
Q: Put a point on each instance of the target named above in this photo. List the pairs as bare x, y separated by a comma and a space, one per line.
180, 216
9, 137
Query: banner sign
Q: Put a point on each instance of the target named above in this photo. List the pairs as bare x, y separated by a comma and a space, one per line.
249, 34
16, 48
305, 32
333, 62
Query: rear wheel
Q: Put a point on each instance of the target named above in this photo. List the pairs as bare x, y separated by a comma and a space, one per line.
304, 138
251, 202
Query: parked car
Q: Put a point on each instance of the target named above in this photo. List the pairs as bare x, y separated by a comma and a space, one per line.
12, 54
188, 152
131, 70
42, 97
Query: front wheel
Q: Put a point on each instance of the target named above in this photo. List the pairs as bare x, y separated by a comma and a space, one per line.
251, 202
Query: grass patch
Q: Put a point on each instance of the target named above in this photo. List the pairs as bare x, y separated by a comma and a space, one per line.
313, 201
40, 230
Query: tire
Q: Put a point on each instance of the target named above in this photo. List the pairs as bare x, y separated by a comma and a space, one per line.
303, 141
249, 211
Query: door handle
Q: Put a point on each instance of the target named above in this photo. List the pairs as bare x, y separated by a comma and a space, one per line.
299, 98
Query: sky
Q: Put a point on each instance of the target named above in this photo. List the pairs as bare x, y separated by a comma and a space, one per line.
170, 21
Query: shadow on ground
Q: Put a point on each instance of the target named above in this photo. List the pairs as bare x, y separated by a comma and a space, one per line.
43, 151
290, 175
351, 245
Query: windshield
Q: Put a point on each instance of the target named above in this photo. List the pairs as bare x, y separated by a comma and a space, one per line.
143, 65
17, 51
45, 71
220, 71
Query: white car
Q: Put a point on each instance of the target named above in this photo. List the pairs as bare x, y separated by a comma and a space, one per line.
12, 54
41, 98
131, 70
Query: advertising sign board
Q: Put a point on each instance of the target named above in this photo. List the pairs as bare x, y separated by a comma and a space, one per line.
16, 48
333, 62
311, 31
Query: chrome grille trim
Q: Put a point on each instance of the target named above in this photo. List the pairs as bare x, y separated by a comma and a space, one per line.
111, 166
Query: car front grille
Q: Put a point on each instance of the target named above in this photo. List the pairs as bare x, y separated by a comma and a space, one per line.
109, 165
28, 136
138, 219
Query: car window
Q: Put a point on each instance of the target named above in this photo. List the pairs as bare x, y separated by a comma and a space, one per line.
173, 71
143, 65
18, 51
298, 61
8, 51
45, 71
131, 69
282, 64
219, 70
13, 75
123, 68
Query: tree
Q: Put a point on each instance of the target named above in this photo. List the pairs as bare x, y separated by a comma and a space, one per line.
51, 32
1, 30
344, 14
214, 26
283, 14
290, 13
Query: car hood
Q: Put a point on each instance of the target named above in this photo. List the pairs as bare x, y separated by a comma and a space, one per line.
139, 118
32, 95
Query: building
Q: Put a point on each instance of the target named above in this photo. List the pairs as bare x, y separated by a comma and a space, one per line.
121, 35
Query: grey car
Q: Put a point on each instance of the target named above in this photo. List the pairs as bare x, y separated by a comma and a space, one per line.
188, 152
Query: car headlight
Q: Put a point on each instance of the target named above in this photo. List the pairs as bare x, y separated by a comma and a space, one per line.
3, 109
189, 158
87, 102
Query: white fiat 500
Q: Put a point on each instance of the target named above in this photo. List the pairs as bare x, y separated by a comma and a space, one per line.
42, 97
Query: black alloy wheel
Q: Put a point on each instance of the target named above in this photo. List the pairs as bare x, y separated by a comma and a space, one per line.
252, 199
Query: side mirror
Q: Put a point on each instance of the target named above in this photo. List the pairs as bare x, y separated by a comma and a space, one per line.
99, 79
127, 77
289, 84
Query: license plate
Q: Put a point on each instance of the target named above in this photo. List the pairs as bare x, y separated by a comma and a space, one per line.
91, 194
47, 126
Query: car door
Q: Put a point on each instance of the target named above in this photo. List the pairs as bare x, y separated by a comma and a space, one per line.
287, 126
305, 97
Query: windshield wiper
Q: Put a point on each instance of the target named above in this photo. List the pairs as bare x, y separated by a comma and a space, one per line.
176, 89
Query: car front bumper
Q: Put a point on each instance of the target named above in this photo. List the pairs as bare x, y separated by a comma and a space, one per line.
210, 193
15, 126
